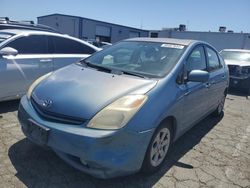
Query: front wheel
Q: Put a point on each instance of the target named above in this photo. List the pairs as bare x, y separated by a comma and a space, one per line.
157, 149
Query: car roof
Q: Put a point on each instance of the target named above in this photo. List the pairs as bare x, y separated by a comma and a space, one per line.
6, 23
26, 31
185, 42
235, 50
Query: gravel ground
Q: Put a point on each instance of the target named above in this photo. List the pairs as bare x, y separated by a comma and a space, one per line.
214, 153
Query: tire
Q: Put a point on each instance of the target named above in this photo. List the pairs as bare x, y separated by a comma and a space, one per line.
157, 149
220, 109
247, 91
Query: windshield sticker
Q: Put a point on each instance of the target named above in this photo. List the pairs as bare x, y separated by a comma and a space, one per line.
177, 46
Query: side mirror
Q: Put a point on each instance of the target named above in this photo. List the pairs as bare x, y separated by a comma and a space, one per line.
8, 51
198, 76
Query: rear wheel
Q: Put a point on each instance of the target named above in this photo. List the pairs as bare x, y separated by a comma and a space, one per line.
157, 149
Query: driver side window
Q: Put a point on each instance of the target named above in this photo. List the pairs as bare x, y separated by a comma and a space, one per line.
196, 60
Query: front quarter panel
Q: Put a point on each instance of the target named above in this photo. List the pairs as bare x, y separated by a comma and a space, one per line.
164, 100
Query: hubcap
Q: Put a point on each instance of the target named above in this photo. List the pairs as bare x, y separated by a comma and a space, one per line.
160, 147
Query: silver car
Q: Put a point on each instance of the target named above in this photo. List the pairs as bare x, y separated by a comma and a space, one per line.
238, 62
26, 55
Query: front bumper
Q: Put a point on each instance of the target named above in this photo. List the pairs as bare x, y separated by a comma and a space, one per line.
105, 153
240, 82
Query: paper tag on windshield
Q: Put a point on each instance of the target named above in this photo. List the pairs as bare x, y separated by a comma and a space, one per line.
177, 46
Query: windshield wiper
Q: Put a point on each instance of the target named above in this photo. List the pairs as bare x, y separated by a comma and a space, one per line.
134, 74
114, 71
96, 66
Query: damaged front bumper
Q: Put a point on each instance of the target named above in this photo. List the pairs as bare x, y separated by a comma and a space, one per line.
242, 82
101, 153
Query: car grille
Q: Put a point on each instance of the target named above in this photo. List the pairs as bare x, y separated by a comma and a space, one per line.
55, 117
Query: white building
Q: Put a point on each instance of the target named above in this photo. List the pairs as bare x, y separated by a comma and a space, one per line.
220, 40
85, 28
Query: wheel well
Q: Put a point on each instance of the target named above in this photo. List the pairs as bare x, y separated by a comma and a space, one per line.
171, 120
226, 91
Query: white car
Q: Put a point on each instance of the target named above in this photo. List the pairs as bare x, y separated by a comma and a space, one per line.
238, 62
26, 55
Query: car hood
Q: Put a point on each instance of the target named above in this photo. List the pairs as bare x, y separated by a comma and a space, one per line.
235, 62
81, 92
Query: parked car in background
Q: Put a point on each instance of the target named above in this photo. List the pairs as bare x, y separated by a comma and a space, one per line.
26, 55
238, 62
99, 44
6, 23
112, 115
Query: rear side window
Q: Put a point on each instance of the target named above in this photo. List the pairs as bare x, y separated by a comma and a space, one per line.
196, 60
34, 44
213, 60
68, 46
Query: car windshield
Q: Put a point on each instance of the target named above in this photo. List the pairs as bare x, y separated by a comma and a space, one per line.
4, 36
151, 59
236, 55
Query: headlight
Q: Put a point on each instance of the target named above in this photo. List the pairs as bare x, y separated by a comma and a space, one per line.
35, 83
117, 114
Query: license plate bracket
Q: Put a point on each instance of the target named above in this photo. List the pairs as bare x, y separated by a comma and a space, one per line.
37, 132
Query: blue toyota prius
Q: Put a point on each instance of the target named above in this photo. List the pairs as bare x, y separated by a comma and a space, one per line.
118, 111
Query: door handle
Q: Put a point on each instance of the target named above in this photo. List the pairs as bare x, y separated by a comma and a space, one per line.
45, 60
223, 76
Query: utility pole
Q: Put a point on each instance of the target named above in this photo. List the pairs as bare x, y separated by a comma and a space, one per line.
141, 24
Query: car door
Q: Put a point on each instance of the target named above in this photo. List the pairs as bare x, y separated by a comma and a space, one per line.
195, 97
217, 78
31, 62
67, 51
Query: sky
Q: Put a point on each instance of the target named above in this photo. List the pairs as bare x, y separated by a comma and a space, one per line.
197, 15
